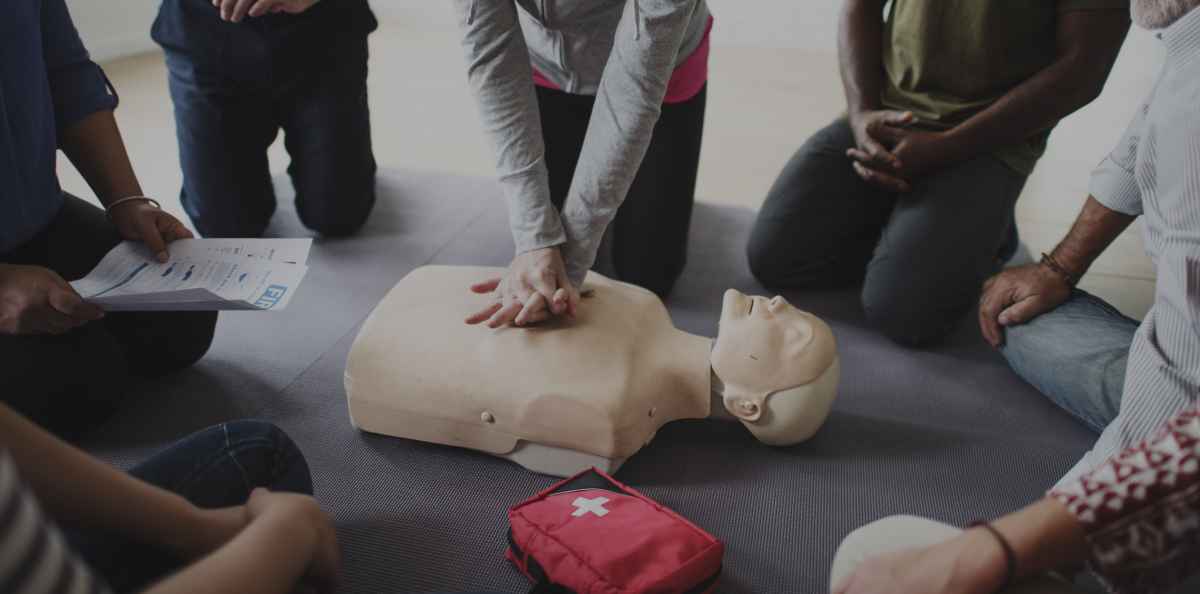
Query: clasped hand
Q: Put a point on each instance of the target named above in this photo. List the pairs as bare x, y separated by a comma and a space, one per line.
891, 155
534, 288
37, 300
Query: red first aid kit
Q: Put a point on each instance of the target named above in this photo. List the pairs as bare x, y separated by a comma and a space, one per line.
590, 534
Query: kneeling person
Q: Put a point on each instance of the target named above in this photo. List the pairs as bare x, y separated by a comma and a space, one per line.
239, 72
912, 193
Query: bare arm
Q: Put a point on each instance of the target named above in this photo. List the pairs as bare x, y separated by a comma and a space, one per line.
1088, 43
83, 492
95, 147
860, 53
1094, 230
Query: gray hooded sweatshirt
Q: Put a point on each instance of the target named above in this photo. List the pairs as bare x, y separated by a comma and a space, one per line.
621, 51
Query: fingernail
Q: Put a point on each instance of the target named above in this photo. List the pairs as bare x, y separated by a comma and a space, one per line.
163, 256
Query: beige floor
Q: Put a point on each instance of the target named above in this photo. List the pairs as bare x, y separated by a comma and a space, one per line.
762, 103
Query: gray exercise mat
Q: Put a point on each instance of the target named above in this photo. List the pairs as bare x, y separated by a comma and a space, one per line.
948, 433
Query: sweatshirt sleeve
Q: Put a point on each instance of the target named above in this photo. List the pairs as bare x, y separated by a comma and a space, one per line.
501, 78
628, 103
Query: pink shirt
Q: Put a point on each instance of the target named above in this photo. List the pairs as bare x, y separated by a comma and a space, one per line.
687, 79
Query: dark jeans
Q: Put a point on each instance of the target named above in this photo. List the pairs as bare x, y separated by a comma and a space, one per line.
70, 381
215, 467
922, 256
226, 120
646, 244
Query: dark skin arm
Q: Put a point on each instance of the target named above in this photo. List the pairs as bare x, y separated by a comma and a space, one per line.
1020, 294
1087, 47
95, 147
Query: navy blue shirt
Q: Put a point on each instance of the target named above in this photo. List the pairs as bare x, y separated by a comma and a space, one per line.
47, 83
258, 49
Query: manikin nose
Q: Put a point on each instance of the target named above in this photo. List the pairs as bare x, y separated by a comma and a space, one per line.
776, 303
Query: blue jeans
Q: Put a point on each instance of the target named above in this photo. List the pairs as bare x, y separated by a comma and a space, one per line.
226, 117
1075, 355
215, 467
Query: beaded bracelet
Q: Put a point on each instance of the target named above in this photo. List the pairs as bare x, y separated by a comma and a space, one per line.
1049, 262
1010, 556
108, 209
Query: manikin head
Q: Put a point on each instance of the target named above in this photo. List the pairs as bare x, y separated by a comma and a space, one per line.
1159, 14
777, 367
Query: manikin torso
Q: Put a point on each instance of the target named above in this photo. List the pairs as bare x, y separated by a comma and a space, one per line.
567, 394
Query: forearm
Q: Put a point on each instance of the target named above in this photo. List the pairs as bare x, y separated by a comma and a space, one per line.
1089, 43
501, 79
1094, 230
83, 492
95, 147
860, 53
628, 105
270, 556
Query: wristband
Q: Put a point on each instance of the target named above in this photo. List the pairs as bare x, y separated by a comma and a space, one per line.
108, 209
1010, 556
1049, 262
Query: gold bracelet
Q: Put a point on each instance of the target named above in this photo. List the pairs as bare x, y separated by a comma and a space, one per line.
108, 209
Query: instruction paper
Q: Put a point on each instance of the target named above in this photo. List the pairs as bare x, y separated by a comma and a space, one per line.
202, 275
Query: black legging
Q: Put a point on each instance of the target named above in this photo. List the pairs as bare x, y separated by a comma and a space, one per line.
646, 244
71, 381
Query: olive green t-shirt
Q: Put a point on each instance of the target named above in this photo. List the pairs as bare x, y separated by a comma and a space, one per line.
947, 60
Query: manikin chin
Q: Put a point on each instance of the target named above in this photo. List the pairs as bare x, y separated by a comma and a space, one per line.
566, 395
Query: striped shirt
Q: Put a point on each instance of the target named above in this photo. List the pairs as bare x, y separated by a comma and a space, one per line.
34, 556
1155, 172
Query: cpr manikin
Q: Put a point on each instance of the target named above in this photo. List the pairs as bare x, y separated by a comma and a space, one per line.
567, 394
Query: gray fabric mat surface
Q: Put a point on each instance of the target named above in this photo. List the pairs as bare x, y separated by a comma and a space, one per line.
949, 433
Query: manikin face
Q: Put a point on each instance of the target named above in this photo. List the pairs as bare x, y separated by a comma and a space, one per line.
764, 350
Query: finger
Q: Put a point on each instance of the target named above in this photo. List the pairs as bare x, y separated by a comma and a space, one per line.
69, 303
879, 178
483, 314
533, 304
989, 310
171, 229
47, 320
261, 7
147, 228
889, 134
505, 315
898, 118
486, 286
879, 152
883, 160
227, 9
243, 7
561, 304
1022, 311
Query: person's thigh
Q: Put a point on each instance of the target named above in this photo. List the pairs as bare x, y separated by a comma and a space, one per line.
896, 533
214, 467
564, 118
820, 221
223, 129
647, 241
327, 128
1076, 355
939, 245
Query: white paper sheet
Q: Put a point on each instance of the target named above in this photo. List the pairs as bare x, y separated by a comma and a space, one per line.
202, 275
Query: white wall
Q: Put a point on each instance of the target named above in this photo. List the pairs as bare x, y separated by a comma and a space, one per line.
116, 28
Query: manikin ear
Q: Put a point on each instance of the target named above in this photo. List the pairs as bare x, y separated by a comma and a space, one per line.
794, 415
746, 408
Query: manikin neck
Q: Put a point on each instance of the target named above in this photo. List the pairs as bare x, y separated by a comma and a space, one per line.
686, 361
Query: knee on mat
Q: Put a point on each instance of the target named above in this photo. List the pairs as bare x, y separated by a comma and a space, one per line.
773, 260
184, 341
334, 211
907, 318
267, 456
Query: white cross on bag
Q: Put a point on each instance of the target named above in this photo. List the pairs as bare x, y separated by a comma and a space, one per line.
595, 506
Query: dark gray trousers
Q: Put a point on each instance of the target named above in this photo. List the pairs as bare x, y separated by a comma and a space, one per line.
921, 257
